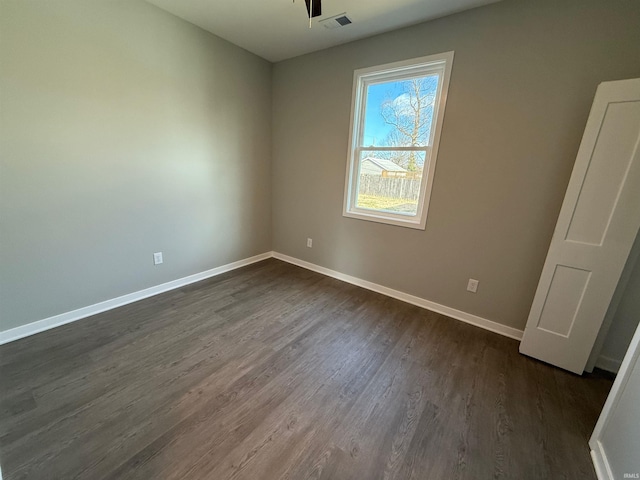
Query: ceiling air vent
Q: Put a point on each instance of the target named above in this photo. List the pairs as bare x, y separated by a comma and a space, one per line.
336, 21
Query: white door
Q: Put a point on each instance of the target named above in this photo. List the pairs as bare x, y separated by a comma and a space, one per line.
596, 228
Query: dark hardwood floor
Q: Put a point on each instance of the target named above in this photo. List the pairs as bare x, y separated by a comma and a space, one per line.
272, 371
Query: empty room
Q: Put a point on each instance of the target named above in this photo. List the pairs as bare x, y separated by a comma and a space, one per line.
321, 239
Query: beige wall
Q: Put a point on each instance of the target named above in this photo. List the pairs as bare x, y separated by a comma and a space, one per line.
523, 80
123, 131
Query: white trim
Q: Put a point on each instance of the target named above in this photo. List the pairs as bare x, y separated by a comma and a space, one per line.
609, 364
74, 315
601, 464
405, 297
631, 358
443, 63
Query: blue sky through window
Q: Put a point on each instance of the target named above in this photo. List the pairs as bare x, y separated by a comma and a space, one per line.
376, 130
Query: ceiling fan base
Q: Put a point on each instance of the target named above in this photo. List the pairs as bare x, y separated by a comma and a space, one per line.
317, 8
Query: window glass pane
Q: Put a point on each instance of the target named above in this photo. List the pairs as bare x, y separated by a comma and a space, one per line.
386, 183
400, 113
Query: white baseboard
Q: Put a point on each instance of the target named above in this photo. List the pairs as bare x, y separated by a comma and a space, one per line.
68, 317
405, 297
609, 364
600, 463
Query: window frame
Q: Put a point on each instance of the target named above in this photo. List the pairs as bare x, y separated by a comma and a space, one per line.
362, 78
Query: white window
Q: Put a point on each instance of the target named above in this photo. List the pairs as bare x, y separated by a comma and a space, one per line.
396, 119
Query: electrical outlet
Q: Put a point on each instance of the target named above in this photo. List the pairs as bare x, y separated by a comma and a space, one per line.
309, 242
157, 258
472, 286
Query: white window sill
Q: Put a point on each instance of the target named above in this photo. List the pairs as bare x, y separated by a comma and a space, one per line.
380, 217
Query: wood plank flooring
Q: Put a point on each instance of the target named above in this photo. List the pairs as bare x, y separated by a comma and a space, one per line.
275, 372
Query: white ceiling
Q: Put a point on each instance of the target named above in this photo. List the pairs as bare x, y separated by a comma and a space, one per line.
279, 29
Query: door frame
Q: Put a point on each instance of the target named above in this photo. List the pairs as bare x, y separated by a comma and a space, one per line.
598, 454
